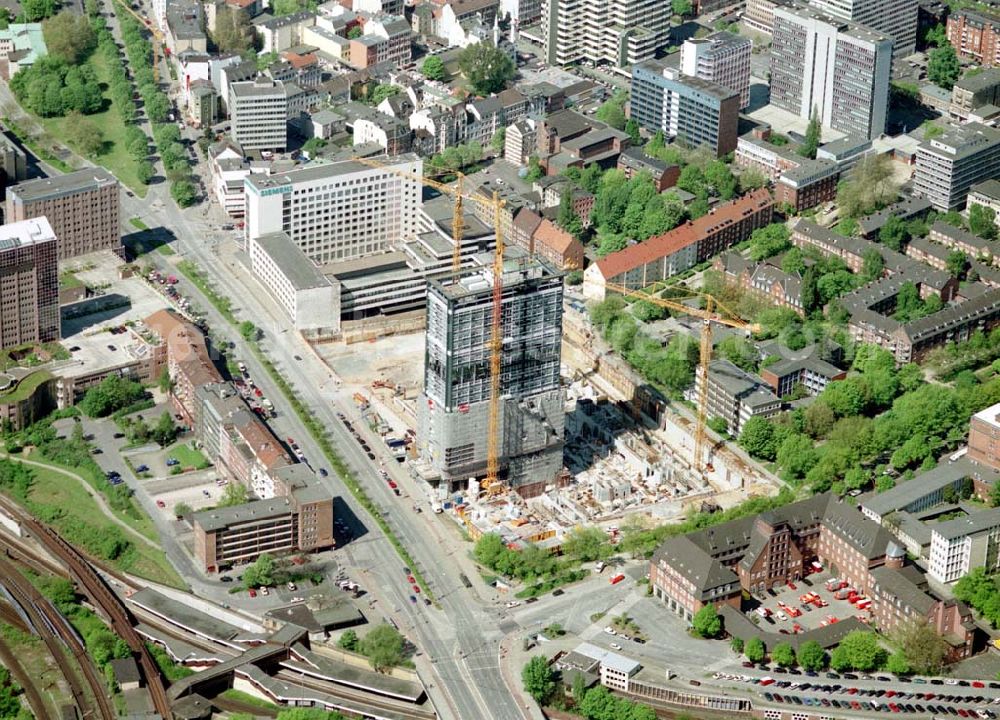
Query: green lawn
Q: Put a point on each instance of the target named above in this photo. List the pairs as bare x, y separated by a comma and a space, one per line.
189, 457
115, 158
138, 224
26, 387
56, 490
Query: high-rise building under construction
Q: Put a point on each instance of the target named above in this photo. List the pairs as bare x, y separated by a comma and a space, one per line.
454, 410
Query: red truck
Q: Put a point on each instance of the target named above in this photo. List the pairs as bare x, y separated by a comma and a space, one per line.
617, 579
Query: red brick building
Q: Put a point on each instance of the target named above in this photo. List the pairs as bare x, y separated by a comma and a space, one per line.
188, 360
975, 35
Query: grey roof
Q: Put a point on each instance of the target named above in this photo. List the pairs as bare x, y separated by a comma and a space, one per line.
961, 142
635, 158
965, 237
697, 567
865, 536
985, 80
738, 382
62, 185
904, 209
260, 87
222, 517
315, 172
929, 247
907, 585
184, 19
926, 483
272, 23
608, 658
125, 670
989, 188
847, 145
985, 305
968, 525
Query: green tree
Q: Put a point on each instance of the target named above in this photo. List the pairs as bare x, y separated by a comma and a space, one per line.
681, 7
84, 135
706, 622
348, 641
308, 714
69, 36
936, 36
768, 241
869, 187
943, 67
956, 263
381, 91
982, 221
233, 32
145, 172
539, 679
755, 650
184, 193
260, 573
433, 68
810, 143
759, 438
612, 112
355, 32
498, 140
793, 262
632, 128
736, 645
182, 510
859, 650
796, 456
811, 655
487, 68
165, 431
587, 543
783, 654
809, 292
752, 179
248, 331
113, 393
897, 664
38, 10
873, 265
313, 145
923, 649
383, 646
234, 494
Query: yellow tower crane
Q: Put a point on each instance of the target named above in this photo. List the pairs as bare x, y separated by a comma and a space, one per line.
157, 36
493, 205
710, 314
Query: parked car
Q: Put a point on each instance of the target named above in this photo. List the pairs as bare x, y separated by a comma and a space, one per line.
142, 468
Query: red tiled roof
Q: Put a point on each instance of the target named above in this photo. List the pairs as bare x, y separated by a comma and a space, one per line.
552, 236
185, 345
680, 237
300, 61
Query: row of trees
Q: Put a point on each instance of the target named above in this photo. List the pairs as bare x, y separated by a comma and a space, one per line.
138, 431
631, 209
53, 88
455, 158
916, 420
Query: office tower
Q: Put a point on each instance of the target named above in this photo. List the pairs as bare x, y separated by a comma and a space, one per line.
836, 68
949, 164
29, 283
453, 414
722, 58
81, 207
340, 211
619, 32
696, 111
258, 111
975, 35
895, 18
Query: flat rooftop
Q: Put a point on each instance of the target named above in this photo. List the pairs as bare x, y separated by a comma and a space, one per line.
61, 185
184, 615
221, 518
27, 232
320, 171
291, 261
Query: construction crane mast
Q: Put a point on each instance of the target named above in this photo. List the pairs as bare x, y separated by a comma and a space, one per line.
157, 36
493, 205
708, 315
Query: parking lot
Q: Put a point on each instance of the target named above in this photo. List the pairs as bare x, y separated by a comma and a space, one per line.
790, 614
196, 491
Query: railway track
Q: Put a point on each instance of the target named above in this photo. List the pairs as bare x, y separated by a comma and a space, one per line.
9, 660
94, 586
361, 698
56, 631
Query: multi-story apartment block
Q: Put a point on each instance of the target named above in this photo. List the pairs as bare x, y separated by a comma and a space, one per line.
633, 161
722, 58
619, 32
386, 40
522, 12
975, 35
258, 110
973, 91
340, 211
519, 142
810, 372
984, 437
799, 182
189, 361
895, 18
735, 395
29, 283
696, 111
759, 15
963, 544
454, 410
831, 67
951, 163
658, 258
82, 208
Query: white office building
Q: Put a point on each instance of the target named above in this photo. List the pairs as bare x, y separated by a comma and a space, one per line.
258, 110
830, 66
618, 32
304, 293
722, 58
964, 544
895, 18
338, 211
